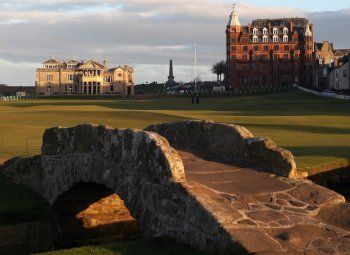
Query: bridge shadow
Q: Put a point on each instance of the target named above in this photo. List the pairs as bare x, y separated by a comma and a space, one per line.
91, 214
337, 180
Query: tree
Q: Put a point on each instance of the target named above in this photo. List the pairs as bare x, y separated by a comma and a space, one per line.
219, 69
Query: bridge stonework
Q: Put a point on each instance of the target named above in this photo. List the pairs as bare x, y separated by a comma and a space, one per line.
163, 187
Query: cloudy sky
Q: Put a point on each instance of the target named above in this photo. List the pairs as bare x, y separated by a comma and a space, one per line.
142, 33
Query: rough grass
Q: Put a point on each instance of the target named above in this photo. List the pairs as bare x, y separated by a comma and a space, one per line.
158, 246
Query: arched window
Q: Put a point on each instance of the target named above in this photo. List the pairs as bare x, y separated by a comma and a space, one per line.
285, 38
285, 31
266, 48
265, 31
276, 47
275, 38
255, 39
265, 38
255, 48
255, 31
286, 47
245, 48
275, 31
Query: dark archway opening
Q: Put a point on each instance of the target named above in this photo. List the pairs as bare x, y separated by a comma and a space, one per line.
91, 214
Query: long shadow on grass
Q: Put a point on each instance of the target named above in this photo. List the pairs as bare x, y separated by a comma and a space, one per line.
325, 151
281, 104
303, 128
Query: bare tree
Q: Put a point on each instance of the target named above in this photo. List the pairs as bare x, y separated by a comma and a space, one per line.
219, 69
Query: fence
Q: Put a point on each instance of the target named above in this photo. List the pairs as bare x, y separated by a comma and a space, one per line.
25, 147
13, 98
324, 94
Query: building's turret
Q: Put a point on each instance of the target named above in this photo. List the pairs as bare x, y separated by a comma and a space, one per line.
233, 24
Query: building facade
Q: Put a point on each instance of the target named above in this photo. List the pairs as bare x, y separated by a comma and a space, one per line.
339, 77
85, 78
269, 52
324, 64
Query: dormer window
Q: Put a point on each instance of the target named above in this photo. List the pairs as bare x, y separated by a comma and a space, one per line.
285, 31
275, 31
265, 38
265, 31
275, 38
255, 31
285, 38
255, 39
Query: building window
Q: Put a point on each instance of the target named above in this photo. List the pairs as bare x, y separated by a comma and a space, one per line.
70, 77
266, 48
285, 31
255, 48
65, 88
255, 39
286, 47
275, 56
265, 39
245, 48
265, 31
276, 47
245, 57
111, 88
49, 77
345, 73
255, 31
109, 78
286, 56
285, 38
275, 31
275, 38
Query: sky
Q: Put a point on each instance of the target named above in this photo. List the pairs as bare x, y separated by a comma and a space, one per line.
143, 33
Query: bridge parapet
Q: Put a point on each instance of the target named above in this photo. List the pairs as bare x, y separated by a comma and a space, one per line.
230, 142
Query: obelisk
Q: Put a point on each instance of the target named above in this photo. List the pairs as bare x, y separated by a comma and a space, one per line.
171, 78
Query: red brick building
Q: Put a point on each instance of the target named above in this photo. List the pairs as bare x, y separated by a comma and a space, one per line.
269, 52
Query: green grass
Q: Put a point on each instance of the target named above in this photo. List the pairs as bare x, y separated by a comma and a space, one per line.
159, 246
315, 129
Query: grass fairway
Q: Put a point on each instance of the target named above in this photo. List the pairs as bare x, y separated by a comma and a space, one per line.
159, 246
315, 129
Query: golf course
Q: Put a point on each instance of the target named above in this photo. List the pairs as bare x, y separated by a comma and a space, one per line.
315, 129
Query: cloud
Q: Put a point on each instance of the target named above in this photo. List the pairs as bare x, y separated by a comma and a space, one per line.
143, 33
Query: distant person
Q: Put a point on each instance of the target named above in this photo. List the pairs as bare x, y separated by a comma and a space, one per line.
197, 99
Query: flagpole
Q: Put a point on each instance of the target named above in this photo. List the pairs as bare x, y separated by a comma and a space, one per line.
195, 68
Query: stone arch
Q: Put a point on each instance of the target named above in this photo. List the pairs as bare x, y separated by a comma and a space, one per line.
142, 169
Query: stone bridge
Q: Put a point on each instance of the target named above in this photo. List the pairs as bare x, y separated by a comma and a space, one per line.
210, 185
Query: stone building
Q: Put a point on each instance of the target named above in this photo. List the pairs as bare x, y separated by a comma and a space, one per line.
324, 63
339, 77
269, 52
86, 78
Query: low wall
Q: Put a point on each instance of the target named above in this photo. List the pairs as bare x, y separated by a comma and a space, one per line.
230, 142
324, 94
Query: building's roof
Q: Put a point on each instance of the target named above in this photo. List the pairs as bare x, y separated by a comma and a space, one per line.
91, 64
341, 52
73, 61
51, 61
283, 22
324, 46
